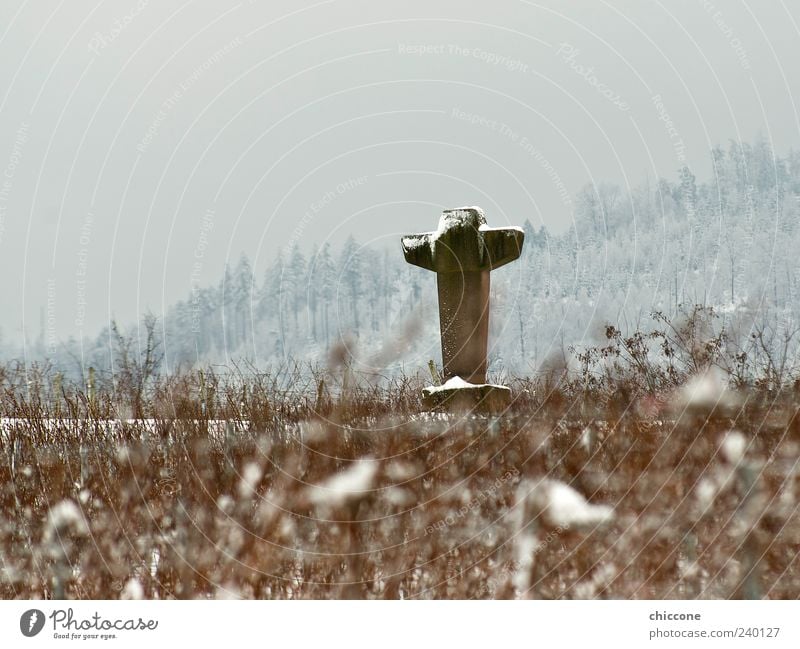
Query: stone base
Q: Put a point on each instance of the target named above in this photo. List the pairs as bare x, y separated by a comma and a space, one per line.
458, 395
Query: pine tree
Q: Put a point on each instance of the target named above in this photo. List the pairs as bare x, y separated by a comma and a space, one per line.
241, 297
272, 302
350, 265
326, 274
226, 309
313, 290
294, 281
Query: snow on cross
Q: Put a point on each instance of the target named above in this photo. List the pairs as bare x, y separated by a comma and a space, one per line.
462, 252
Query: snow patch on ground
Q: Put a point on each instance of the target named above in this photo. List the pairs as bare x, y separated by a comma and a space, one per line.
345, 485
733, 446
705, 390
563, 506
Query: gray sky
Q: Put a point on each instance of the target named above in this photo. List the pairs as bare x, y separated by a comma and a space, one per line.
143, 144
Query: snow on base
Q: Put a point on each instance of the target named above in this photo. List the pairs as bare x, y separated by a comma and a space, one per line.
457, 383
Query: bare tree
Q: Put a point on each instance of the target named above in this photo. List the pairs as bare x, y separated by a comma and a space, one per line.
134, 363
774, 351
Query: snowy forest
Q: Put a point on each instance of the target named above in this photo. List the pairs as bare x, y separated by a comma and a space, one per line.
662, 247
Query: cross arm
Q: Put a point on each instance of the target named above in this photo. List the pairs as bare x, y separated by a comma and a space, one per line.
503, 245
490, 248
418, 250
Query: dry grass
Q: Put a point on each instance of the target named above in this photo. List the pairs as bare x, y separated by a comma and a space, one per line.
453, 506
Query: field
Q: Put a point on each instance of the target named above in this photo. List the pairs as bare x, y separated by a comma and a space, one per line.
336, 488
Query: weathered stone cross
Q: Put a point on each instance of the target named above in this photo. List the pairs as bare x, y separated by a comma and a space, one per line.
462, 253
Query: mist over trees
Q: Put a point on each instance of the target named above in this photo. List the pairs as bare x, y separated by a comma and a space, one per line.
661, 247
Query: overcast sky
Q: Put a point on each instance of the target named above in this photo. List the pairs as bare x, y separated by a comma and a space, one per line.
145, 143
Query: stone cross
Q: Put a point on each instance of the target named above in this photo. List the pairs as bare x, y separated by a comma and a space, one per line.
462, 252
